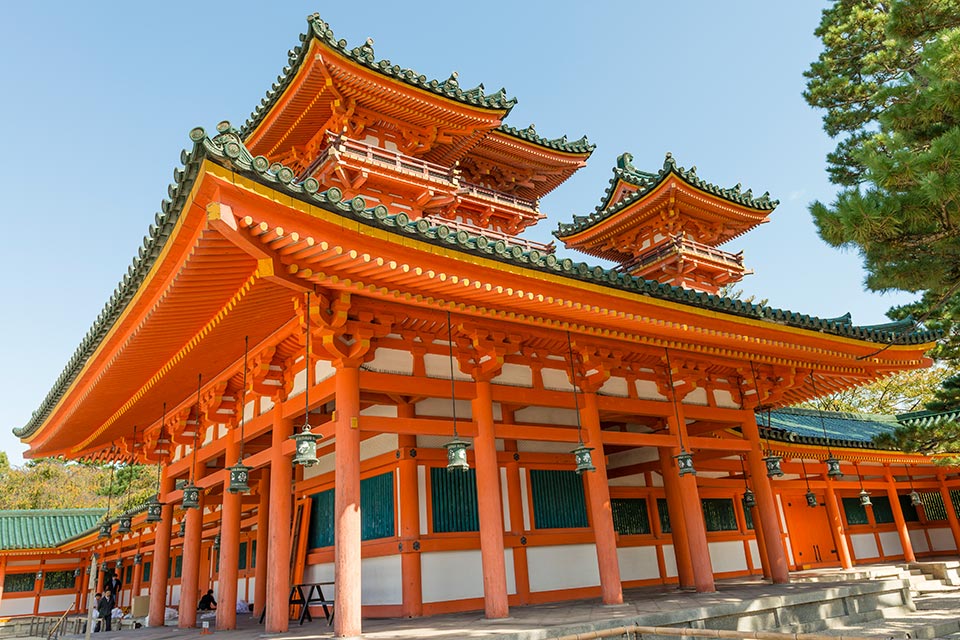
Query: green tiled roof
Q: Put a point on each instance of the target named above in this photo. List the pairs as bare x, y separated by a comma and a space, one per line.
647, 182
44, 528
841, 429
929, 418
364, 55
227, 149
560, 144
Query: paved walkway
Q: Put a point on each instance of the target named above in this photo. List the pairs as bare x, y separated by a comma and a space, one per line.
938, 615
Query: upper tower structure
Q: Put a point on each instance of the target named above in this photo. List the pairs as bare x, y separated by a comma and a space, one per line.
429, 148
666, 226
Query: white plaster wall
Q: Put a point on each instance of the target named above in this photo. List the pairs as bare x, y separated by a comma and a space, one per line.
864, 545
724, 399
438, 366
323, 369
455, 575
441, 407
383, 443
381, 580
941, 539
890, 543
20, 563
57, 603
698, 396
175, 595
556, 379
615, 386
647, 390
636, 480
266, 404
320, 573
727, 556
669, 561
546, 415
515, 374
16, 606
918, 541
638, 563
524, 499
392, 360
505, 499
325, 464
754, 554
422, 496
251, 589
299, 383
563, 567
380, 410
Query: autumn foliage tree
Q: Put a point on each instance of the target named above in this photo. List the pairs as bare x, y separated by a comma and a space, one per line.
50, 483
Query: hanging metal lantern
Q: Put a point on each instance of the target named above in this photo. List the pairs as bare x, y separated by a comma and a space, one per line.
684, 463
457, 454
126, 524
76, 572
773, 466
162, 447
306, 447
118, 565
182, 531
749, 499
865, 498
216, 542
239, 477
138, 559
811, 498
106, 529
104, 566
191, 496
154, 510
833, 468
915, 499
584, 460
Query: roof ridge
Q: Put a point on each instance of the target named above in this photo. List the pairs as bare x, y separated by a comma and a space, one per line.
51, 512
647, 182
847, 415
560, 144
364, 55
227, 147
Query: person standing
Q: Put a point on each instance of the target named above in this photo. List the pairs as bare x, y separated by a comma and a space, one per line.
96, 610
105, 610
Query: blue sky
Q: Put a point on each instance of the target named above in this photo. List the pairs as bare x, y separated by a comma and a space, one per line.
98, 99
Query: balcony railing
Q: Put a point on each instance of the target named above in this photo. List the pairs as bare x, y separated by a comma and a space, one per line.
477, 191
679, 244
370, 154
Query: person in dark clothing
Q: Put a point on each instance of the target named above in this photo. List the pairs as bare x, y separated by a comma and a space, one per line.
207, 603
104, 610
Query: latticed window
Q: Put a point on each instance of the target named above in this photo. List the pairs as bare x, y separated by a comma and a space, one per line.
558, 501
253, 554
18, 582
955, 499
376, 499
178, 567
630, 515
146, 572
242, 560
376, 514
129, 577
58, 580
856, 513
718, 514
664, 514
933, 507
882, 509
454, 500
748, 517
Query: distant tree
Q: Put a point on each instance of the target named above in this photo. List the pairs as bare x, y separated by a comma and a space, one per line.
888, 80
898, 393
50, 483
4, 463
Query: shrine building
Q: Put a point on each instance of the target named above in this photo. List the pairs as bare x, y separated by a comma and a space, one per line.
350, 367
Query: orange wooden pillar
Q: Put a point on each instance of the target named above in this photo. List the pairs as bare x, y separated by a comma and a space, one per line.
190, 576
101, 575
489, 507
161, 556
678, 529
263, 529
3, 575
948, 507
229, 546
693, 517
346, 554
137, 577
761, 543
773, 541
410, 569
901, 524
836, 525
601, 513
281, 510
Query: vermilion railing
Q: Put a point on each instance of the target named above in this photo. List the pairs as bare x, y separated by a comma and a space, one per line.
683, 245
476, 190
342, 145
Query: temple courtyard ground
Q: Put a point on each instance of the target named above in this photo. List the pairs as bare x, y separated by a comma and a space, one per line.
880, 601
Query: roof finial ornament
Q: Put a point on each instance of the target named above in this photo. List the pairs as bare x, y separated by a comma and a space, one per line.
451, 82
625, 161
669, 162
